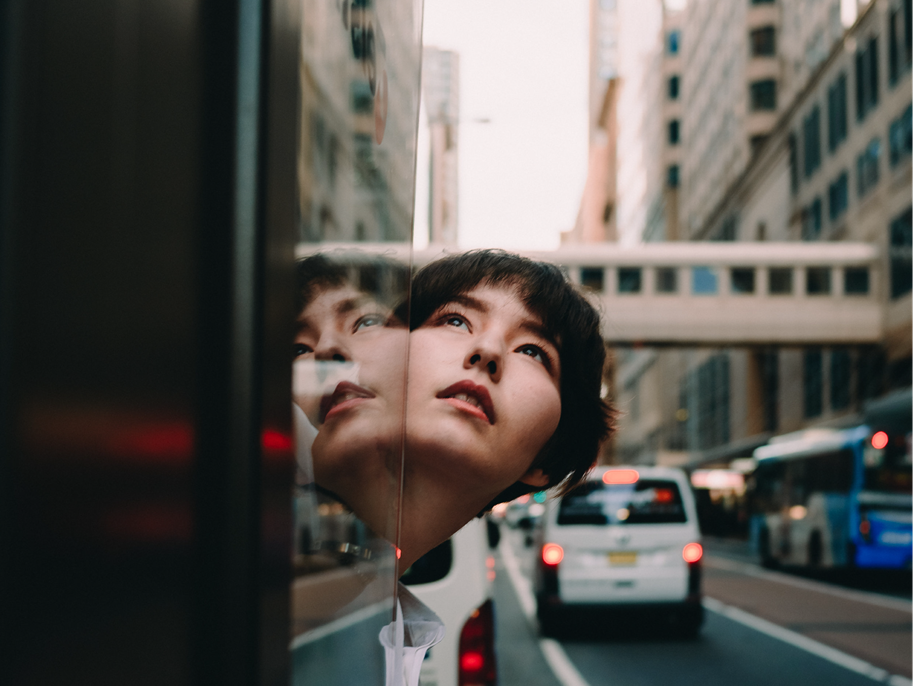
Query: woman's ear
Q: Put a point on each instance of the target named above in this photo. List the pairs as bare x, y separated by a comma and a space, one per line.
535, 477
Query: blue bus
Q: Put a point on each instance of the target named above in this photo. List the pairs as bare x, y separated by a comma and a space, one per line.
833, 498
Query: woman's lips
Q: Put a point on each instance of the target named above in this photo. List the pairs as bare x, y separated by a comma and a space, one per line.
345, 395
471, 398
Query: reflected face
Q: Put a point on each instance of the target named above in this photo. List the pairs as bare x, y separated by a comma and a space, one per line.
483, 395
350, 356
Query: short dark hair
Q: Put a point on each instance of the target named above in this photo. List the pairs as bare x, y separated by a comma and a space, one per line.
377, 275
568, 318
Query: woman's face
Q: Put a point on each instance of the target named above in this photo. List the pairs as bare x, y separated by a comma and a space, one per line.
349, 368
483, 394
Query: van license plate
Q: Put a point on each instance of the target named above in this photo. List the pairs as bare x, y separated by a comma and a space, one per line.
623, 558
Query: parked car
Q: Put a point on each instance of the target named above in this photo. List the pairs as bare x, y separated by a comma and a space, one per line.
626, 539
455, 580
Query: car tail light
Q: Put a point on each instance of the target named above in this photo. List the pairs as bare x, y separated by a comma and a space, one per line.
552, 554
620, 476
476, 649
692, 552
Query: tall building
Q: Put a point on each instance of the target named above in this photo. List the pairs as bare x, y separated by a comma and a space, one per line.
441, 90
836, 166
744, 63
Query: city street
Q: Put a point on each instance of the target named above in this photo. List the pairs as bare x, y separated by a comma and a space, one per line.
762, 627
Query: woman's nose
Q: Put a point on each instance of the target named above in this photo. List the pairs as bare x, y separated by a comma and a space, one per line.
332, 348
486, 353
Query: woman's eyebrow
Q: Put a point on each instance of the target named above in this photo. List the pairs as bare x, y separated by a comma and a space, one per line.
535, 327
469, 302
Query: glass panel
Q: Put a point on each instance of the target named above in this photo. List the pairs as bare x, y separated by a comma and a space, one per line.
818, 280
629, 280
781, 280
743, 280
857, 280
593, 278
359, 107
705, 281
666, 280
647, 501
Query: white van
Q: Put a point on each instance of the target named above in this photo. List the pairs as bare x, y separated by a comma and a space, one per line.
626, 539
454, 580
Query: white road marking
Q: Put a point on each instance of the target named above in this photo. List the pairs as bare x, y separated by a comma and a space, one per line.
727, 564
555, 656
560, 663
340, 624
804, 643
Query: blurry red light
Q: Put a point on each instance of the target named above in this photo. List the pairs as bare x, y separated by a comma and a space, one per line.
620, 476
552, 553
275, 440
692, 552
880, 440
864, 527
664, 495
472, 662
476, 649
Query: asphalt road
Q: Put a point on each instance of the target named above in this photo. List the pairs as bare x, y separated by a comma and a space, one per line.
762, 627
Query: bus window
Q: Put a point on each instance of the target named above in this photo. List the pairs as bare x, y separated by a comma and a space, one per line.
889, 469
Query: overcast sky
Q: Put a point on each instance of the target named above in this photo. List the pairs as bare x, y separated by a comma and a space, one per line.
524, 66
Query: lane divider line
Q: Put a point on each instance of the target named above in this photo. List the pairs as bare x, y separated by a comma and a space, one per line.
805, 643
340, 624
729, 565
554, 654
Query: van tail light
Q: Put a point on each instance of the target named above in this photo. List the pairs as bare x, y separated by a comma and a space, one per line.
476, 649
692, 552
552, 554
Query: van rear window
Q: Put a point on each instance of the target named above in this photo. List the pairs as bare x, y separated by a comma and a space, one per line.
647, 501
433, 566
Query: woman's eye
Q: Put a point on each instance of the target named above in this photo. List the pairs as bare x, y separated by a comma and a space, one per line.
368, 320
456, 321
300, 349
536, 352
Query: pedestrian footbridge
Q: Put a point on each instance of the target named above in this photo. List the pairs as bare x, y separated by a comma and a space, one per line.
722, 294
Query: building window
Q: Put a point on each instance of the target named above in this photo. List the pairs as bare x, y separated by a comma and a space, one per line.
901, 254
673, 87
869, 167
838, 196
867, 93
901, 137
666, 280
360, 97
673, 42
673, 176
900, 41
813, 383
812, 157
857, 280
629, 280
781, 281
792, 163
813, 221
762, 42
837, 99
743, 280
763, 95
756, 142
767, 363
839, 379
593, 278
705, 281
818, 280
673, 131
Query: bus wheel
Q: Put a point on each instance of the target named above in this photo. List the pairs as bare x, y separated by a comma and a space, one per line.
765, 550
815, 549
